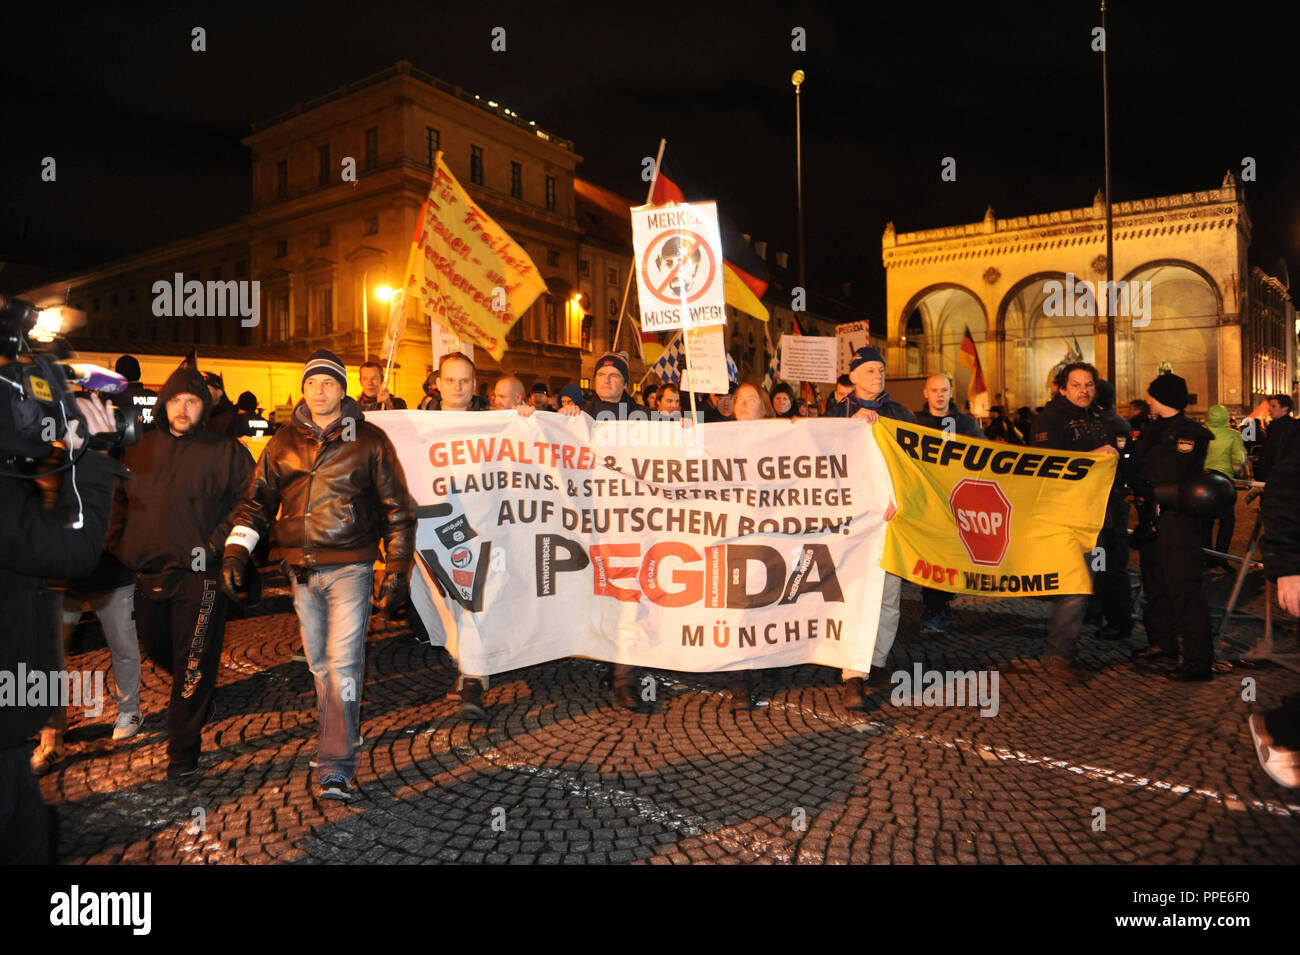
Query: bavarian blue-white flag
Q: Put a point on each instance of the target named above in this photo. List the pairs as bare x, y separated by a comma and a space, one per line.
668, 366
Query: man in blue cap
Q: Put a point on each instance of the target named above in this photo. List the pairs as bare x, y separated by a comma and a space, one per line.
870, 402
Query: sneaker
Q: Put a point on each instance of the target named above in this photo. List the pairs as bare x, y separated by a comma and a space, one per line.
316, 765
937, 623
471, 700
179, 771
48, 754
336, 786
127, 725
1155, 655
1282, 765
625, 697
853, 697
1063, 671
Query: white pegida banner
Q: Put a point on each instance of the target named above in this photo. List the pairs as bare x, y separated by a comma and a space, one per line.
729, 546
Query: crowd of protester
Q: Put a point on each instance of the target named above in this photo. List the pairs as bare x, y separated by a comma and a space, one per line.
190, 528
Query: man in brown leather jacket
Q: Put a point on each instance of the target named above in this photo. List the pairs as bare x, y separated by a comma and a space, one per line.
338, 487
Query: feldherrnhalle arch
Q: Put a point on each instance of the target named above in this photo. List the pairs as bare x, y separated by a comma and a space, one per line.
994, 277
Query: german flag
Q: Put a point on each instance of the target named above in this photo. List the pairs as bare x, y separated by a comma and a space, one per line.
744, 275
969, 356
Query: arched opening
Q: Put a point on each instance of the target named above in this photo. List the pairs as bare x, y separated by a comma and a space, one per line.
936, 320
1174, 320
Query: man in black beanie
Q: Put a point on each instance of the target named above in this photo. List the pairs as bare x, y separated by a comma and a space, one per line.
170, 523
1171, 450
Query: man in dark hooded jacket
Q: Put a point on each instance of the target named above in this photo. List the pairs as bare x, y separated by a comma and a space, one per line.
170, 523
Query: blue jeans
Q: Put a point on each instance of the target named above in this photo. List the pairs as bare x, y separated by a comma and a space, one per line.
333, 609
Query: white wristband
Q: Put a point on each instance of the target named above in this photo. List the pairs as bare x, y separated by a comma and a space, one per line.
245, 537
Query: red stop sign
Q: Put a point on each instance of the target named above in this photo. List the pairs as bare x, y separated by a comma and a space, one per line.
983, 516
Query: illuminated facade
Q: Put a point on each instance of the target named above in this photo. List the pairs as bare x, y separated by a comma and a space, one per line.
1230, 334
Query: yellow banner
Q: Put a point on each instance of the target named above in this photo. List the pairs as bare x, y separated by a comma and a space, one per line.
978, 517
464, 271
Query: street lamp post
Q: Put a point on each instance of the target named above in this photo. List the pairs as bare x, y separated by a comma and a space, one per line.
1104, 304
797, 79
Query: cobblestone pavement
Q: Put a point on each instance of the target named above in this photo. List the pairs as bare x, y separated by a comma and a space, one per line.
557, 775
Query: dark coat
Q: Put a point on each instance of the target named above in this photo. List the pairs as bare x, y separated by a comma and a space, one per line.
1064, 426
36, 544
882, 404
966, 425
1281, 516
625, 409
1169, 452
180, 496
337, 493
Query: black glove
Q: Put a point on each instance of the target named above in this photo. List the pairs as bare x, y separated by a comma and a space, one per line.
393, 593
233, 563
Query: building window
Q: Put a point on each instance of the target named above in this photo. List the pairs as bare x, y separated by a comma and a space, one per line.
372, 147
281, 317
550, 193
323, 164
432, 143
552, 321
323, 237
613, 308
372, 225
516, 180
613, 330
611, 275
241, 268
476, 164
584, 267
282, 179
588, 329
323, 306
281, 248
552, 258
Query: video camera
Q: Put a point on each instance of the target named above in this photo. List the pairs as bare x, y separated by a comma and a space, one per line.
38, 403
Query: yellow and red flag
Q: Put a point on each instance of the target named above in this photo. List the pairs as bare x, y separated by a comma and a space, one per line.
464, 271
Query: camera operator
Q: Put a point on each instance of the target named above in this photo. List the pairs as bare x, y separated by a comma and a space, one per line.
36, 543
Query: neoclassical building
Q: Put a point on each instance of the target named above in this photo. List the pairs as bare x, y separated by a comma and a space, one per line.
1228, 329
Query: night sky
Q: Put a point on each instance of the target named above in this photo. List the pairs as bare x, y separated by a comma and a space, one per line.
146, 133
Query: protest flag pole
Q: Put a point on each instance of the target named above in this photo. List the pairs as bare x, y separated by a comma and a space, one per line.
1109, 319
667, 348
627, 286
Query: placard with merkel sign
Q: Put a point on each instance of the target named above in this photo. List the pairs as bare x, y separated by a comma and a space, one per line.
678, 254
738, 545
978, 517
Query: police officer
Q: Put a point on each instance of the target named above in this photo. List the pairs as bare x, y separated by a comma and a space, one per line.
1171, 450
